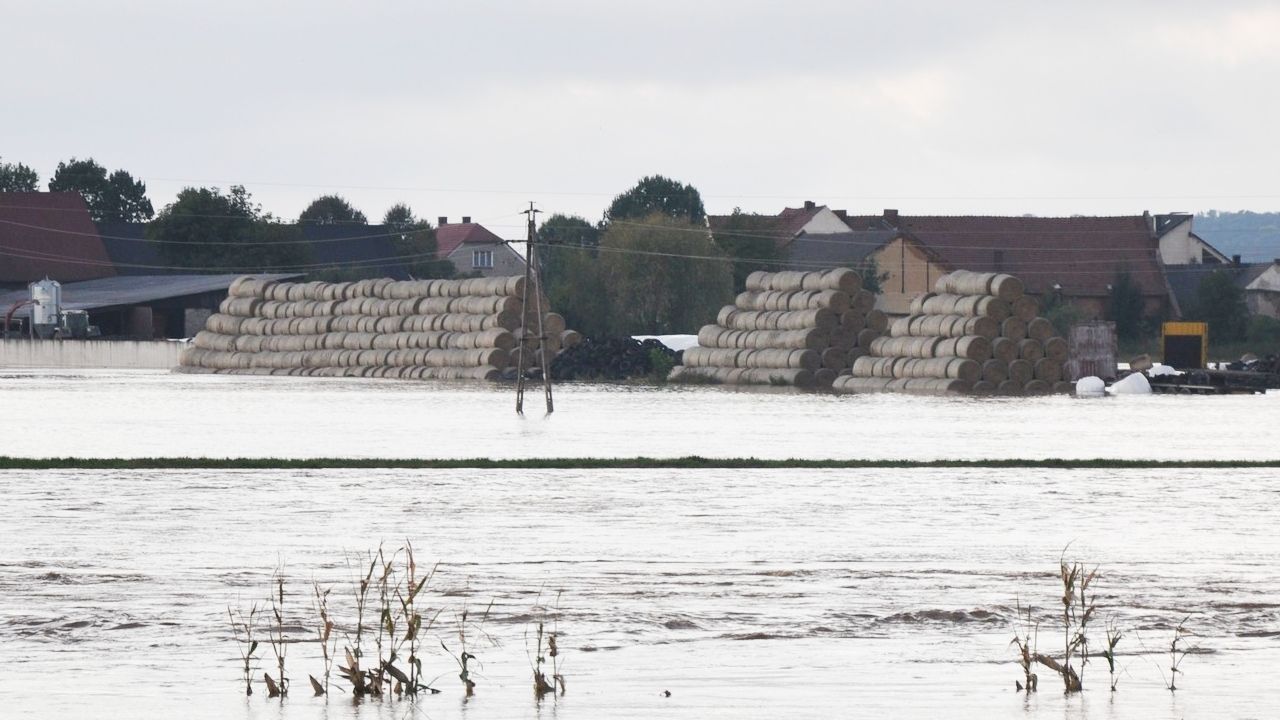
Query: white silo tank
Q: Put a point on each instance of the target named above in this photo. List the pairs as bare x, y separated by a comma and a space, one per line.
44, 314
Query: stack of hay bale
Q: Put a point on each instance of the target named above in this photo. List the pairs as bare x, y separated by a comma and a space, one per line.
422, 329
977, 334
788, 328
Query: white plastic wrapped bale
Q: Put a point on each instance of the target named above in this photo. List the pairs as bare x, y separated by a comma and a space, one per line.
1132, 384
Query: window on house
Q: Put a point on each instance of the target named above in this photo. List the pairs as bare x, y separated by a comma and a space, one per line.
481, 258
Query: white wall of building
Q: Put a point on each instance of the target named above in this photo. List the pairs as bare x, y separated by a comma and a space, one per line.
825, 223
1180, 247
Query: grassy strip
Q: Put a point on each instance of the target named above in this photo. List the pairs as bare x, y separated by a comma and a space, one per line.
692, 462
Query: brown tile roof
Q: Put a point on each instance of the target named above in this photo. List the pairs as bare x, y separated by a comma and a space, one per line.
1083, 254
49, 234
792, 220
785, 225
454, 235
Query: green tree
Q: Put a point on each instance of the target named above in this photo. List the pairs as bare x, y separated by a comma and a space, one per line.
654, 284
584, 299
111, 198
559, 238
752, 242
16, 177
1220, 302
415, 241
1060, 311
658, 194
1124, 306
204, 229
332, 210
872, 278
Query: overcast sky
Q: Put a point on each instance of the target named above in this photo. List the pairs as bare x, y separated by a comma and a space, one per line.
476, 107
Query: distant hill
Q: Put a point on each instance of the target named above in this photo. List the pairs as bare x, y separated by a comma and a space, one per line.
1254, 236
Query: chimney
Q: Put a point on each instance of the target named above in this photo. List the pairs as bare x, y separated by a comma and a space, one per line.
466, 219
809, 205
1235, 259
443, 220
891, 217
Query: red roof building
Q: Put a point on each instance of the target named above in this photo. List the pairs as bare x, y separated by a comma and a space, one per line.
49, 235
1079, 257
474, 250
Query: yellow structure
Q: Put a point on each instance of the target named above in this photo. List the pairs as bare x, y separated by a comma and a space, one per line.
1185, 345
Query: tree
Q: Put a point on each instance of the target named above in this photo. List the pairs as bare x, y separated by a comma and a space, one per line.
582, 297
399, 217
560, 237
1220, 302
752, 242
114, 198
16, 177
657, 194
663, 276
869, 270
415, 242
1124, 306
207, 230
572, 274
331, 210
1060, 311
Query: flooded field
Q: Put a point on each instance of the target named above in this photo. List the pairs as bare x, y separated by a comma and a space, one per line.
745, 594
121, 414
760, 593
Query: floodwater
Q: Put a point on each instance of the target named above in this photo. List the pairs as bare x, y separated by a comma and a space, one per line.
140, 414
756, 594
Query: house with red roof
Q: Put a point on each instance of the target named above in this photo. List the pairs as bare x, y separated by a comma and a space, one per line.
473, 249
1076, 258
49, 234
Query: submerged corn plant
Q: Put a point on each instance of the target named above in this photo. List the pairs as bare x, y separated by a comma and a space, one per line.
1026, 640
324, 635
1078, 609
1109, 653
547, 651
465, 657
242, 628
354, 651
278, 686
1178, 652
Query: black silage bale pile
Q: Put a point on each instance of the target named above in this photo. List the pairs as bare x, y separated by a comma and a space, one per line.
609, 359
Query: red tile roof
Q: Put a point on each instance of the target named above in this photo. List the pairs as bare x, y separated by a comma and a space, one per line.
49, 234
1083, 254
454, 235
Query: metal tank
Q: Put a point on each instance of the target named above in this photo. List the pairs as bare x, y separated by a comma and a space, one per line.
47, 295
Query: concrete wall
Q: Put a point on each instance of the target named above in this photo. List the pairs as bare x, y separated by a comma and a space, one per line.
132, 354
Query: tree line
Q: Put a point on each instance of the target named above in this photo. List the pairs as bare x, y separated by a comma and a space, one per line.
650, 266
206, 229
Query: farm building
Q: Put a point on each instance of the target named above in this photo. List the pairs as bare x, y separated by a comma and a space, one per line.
48, 235
141, 306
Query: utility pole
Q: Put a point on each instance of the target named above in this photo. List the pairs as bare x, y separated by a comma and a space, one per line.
533, 284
